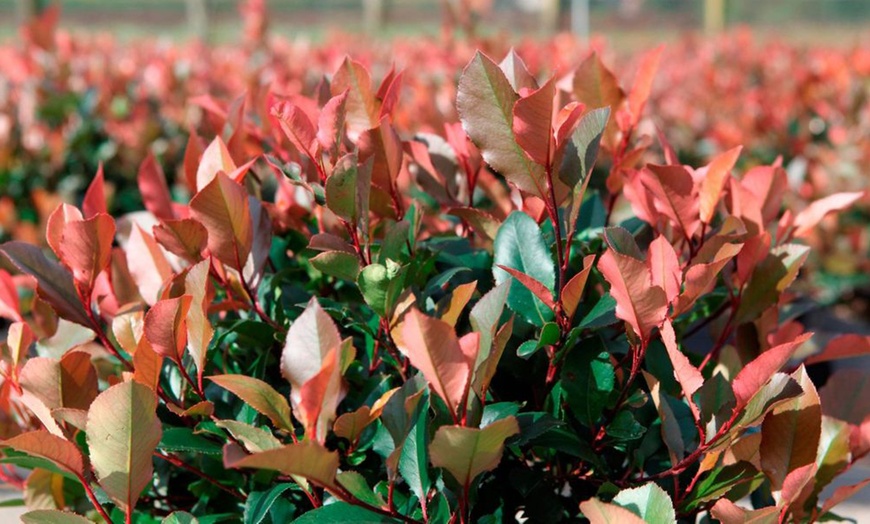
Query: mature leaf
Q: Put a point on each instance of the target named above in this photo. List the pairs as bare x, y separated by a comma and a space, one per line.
54, 284
599, 512
255, 439
123, 431
222, 207
260, 396
468, 452
374, 282
432, 347
343, 513
755, 375
790, 434
43, 444
52, 516
259, 503
180, 517
338, 264
650, 502
520, 245
485, 101
588, 379
306, 459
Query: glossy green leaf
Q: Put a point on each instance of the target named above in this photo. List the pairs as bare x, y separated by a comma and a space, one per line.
650, 502
520, 245
588, 379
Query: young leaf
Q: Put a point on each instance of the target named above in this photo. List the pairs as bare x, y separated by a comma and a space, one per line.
689, 377
638, 301
485, 101
215, 159
533, 123
665, 267
43, 444
306, 459
714, 182
153, 188
166, 327
222, 207
147, 264
433, 348
810, 217
199, 328
123, 431
260, 396
186, 238
468, 452
94, 201
751, 378
520, 245
54, 284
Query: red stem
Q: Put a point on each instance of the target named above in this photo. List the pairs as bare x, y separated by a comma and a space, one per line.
93, 498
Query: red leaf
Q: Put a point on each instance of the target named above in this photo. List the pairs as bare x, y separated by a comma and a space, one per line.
843, 346
638, 302
643, 81
810, 217
10, 308
45, 445
153, 188
192, 154
664, 267
222, 207
675, 195
147, 264
330, 124
166, 326
433, 348
319, 397
533, 285
384, 145
297, 128
842, 494
19, 337
687, 374
573, 290
95, 197
186, 238
755, 375
86, 248
715, 177
517, 74
533, 123
215, 159
362, 113
700, 278
56, 224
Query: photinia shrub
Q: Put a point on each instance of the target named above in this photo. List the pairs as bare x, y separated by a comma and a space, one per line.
537, 312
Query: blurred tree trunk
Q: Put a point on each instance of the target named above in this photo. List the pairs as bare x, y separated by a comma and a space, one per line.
714, 16
374, 15
549, 17
197, 19
27, 9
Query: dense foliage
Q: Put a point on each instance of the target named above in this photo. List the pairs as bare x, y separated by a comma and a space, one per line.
448, 295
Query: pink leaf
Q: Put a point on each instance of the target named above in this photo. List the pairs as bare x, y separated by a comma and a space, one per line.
533, 123
665, 267
95, 197
215, 159
688, 376
297, 128
643, 81
222, 207
675, 195
86, 248
166, 326
433, 348
714, 180
843, 346
153, 188
533, 285
755, 375
810, 217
